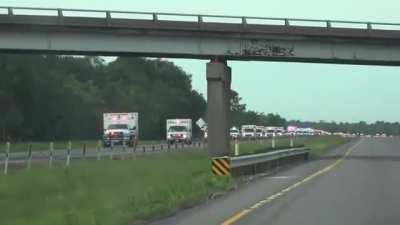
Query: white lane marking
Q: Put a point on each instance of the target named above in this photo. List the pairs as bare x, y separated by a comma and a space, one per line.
282, 177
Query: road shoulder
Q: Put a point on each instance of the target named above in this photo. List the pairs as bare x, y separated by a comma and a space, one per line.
217, 210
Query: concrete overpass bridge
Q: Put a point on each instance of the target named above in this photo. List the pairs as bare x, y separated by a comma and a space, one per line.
214, 37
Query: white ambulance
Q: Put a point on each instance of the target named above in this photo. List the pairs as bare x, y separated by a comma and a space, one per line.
179, 130
120, 128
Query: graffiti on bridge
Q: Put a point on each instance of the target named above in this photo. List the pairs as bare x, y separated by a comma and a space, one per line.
263, 48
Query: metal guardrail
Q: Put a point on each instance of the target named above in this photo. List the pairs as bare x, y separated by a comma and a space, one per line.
63, 157
103, 151
248, 160
158, 16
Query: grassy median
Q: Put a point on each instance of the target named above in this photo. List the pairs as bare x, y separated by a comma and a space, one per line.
322, 144
317, 144
108, 191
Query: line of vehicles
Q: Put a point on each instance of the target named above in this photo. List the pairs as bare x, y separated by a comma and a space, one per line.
123, 129
254, 131
257, 132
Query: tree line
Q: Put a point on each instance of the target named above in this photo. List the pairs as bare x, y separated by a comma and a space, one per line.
240, 115
64, 97
50, 97
362, 127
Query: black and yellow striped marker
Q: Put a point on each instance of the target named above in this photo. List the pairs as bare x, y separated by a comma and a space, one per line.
221, 166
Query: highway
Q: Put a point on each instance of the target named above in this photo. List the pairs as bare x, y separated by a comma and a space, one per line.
356, 184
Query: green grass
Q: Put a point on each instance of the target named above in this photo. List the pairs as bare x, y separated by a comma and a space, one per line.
60, 145
317, 144
122, 192
322, 144
107, 192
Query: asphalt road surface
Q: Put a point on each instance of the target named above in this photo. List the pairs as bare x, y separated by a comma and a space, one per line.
357, 184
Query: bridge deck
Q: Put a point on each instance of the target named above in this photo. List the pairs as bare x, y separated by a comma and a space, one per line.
198, 36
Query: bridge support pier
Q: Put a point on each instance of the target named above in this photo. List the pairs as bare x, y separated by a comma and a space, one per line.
218, 108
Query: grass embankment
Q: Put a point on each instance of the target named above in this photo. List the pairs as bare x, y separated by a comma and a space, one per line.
61, 145
107, 192
121, 192
317, 144
322, 144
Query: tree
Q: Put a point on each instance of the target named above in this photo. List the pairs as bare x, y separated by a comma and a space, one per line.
235, 100
63, 97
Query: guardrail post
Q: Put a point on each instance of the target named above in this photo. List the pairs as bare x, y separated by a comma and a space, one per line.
135, 144
108, 18
244, 21
369, 26
7, 156
51, 148
10, 11
84, 151
111, 149
287, 23
199, 19
60, 16
144, 149
123, 149
273, 142
328, 24
98, 148
176, 146
29, 156
130, 150
161, 147
155, 17
60, 13
236, 147
69, 147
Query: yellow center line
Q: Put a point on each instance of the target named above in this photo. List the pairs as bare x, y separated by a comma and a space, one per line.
237, 216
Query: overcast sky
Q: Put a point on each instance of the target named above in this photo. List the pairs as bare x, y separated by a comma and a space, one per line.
294, 90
